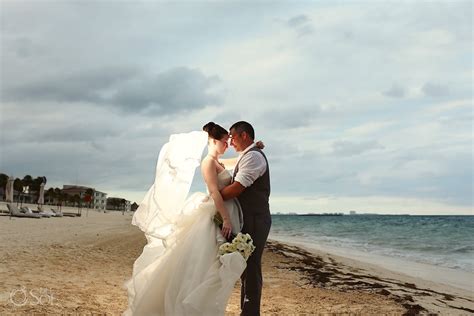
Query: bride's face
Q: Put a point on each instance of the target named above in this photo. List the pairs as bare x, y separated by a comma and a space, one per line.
222, 144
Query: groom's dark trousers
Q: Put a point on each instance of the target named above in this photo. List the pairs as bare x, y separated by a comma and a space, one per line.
258, 227
257, 222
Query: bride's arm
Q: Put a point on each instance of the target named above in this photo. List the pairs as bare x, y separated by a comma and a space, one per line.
209, 173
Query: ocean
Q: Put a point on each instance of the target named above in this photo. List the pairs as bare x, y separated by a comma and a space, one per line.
444, 241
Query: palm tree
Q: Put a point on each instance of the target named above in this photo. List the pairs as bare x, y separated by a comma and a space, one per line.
63, 197
58, 197
50, 194
27, 180
77, 199
3, 183
123, 204
18, 186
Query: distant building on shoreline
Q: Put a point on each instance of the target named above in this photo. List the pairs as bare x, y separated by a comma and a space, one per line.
118, 204
99, 199
26, 190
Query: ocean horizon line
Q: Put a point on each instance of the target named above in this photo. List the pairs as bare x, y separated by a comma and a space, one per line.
361, 214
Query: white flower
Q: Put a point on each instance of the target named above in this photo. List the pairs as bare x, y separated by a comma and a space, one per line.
242, 243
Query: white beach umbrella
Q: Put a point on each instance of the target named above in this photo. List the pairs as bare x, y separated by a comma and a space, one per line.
9, 189
41, 194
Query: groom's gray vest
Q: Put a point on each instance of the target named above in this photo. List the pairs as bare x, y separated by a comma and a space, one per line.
254, 199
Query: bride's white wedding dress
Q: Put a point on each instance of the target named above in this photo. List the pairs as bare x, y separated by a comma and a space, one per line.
179, 271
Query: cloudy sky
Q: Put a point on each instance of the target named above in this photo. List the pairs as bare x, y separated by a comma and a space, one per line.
363, 106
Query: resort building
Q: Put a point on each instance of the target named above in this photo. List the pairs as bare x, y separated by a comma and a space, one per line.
118, 204
99, 199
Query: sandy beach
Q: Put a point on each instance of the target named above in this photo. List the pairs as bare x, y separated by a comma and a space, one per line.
79, 265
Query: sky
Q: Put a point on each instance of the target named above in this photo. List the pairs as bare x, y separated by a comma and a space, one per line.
363, 106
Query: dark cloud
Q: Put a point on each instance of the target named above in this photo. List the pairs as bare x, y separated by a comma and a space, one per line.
435, 90
301, 24
168, 92
346, 148
395, 91
125, 88
84, 86
298, 21
74, 132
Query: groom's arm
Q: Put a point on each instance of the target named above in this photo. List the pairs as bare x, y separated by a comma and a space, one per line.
232, 191
251, 167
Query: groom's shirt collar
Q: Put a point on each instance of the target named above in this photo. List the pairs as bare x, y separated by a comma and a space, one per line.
246, 149
250, 166
243, 152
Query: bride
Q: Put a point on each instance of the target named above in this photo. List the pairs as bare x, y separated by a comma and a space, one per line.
179, 271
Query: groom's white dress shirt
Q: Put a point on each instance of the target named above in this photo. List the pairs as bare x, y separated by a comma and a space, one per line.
251, 166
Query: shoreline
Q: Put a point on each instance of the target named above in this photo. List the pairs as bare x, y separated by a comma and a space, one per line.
83, 263
457, 279
331, 271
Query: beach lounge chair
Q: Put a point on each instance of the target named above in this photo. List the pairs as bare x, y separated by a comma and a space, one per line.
16, 213
70, 214
27, 210
51, 212
57, 212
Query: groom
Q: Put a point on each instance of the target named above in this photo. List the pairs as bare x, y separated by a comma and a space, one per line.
251, 186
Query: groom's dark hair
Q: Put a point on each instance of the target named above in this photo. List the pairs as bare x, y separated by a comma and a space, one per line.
243, 126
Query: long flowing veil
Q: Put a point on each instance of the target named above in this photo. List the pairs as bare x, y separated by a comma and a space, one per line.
163, 203
175, 169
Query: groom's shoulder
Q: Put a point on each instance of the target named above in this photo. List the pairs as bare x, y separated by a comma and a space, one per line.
257, 152
255, 155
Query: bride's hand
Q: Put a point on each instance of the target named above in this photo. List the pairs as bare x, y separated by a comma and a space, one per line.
226, 228
260, 144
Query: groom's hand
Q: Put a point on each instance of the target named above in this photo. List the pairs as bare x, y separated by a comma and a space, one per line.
232, 191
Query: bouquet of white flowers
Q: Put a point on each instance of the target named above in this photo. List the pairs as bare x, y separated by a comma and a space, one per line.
242, 243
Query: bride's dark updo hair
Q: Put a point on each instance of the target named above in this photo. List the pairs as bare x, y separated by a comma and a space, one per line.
215, 131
